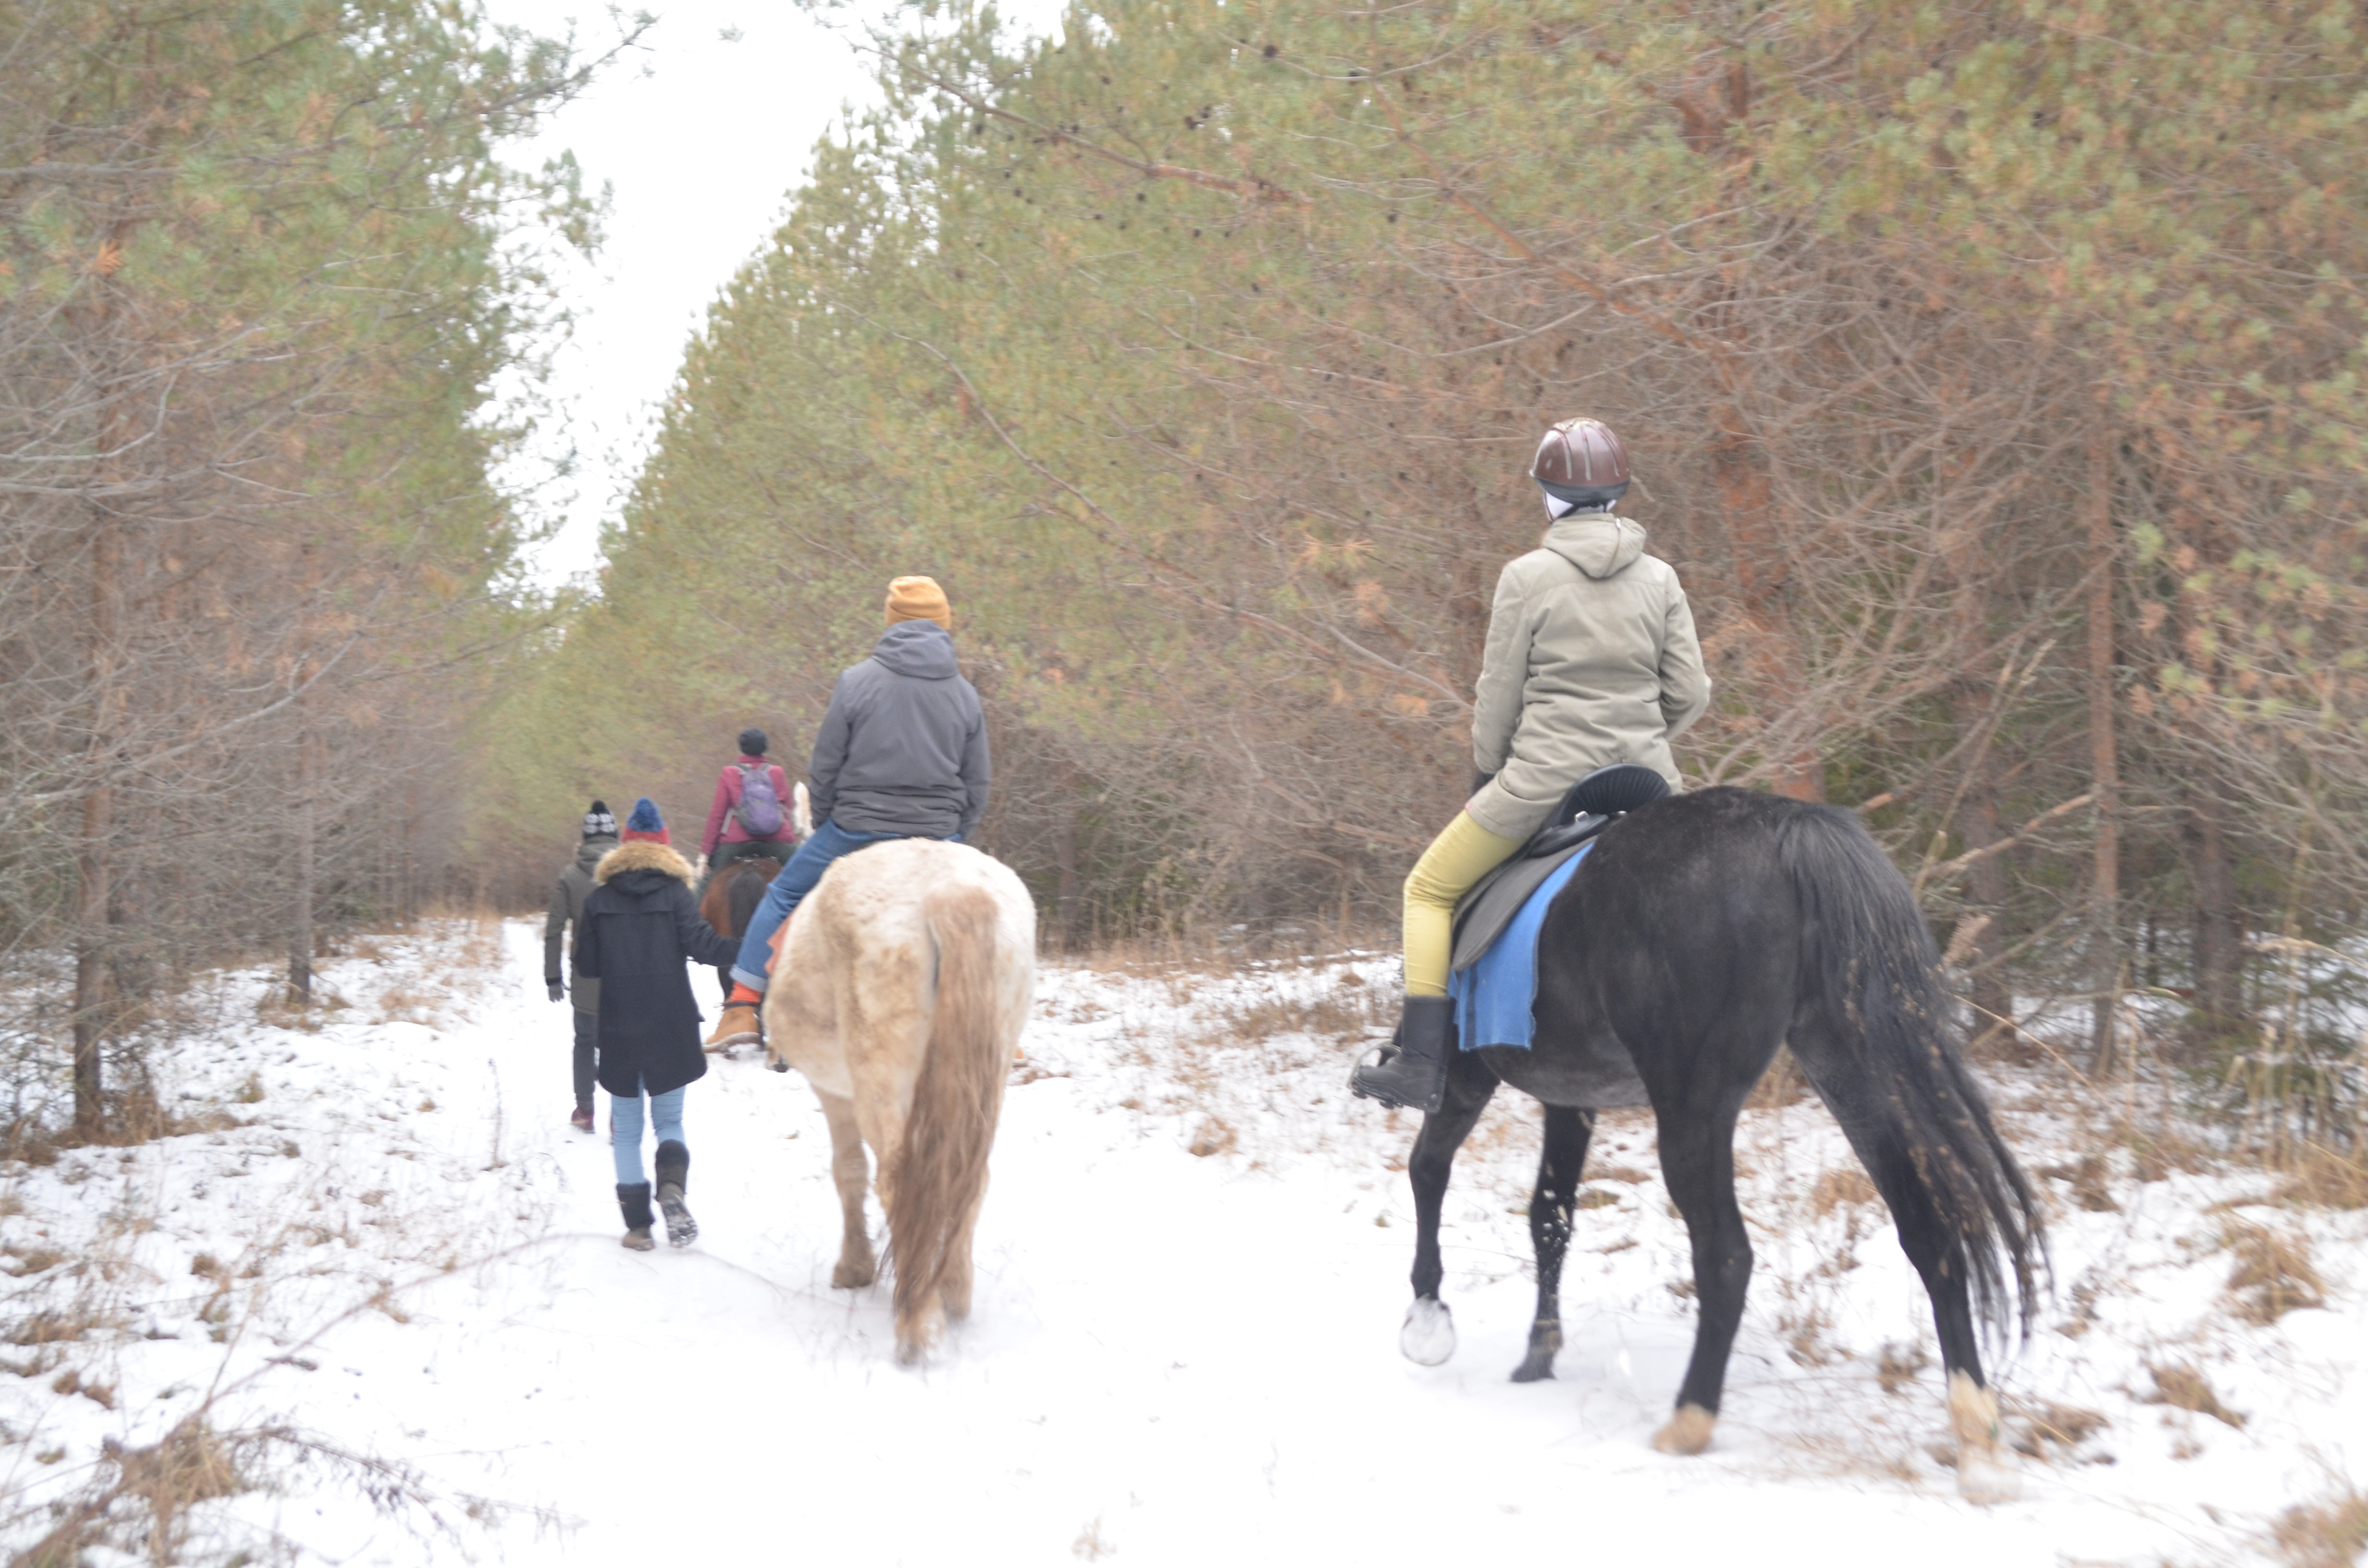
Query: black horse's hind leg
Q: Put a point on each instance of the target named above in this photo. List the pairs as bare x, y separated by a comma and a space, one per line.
1429, 1336
1551, 1207
1697, 1162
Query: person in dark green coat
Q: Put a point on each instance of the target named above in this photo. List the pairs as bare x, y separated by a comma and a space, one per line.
575, 885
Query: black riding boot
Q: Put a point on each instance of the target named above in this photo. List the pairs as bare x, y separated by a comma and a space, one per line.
1413, 1068
674, 1175
633, 1200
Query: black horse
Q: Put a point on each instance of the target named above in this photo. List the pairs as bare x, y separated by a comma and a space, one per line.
1701, 932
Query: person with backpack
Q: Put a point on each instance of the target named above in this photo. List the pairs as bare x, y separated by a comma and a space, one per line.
901, 754
640, 926
750, 815
575, 885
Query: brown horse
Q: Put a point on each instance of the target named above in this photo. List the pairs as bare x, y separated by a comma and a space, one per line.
732, 896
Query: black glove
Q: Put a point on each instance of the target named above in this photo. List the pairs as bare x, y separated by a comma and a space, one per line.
558, 992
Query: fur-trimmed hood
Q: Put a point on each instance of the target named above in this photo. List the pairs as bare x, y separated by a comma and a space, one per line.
643, 855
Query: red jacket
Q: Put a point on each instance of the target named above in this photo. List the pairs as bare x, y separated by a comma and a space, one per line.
723, 827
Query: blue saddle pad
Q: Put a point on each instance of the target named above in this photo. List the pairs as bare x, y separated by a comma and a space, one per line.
1496, 996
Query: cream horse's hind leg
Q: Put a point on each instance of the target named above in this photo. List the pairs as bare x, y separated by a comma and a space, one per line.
858, 1266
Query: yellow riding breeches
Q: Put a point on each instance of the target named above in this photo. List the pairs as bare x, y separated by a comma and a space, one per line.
1456, 859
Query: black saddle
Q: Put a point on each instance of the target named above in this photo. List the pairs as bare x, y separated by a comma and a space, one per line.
1594, 803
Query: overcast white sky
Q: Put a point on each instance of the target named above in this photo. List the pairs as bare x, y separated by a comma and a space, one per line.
701, 134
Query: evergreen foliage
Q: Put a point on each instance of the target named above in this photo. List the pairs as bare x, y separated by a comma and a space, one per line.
1993, 374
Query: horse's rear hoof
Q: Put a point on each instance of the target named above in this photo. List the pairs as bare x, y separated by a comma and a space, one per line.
853, 1275
917, 1339
1428, 1336
1986, 1478
1983, 1473
1688, 1432
1537, 1367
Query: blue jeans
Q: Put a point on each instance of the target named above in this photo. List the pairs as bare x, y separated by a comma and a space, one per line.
625, 1130
786, 891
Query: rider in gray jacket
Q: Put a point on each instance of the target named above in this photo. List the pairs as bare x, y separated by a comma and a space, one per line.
901, 753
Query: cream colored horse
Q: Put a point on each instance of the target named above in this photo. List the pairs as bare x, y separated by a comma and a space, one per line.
900, 993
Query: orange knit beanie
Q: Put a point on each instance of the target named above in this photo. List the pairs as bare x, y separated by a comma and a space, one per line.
918, 598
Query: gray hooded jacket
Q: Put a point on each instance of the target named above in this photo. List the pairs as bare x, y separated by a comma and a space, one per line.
575, 885
903, 750
1591, 660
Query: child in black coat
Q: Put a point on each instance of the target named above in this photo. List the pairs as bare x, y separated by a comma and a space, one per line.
640, 926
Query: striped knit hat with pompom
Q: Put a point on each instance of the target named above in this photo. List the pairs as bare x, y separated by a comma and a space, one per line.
646, 824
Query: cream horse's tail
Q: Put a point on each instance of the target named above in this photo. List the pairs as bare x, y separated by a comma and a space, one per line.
940, 1171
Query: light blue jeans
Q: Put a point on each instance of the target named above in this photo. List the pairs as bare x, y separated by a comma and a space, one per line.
625, 1130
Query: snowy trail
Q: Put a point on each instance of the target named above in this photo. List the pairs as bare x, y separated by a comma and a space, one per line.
1170, 1357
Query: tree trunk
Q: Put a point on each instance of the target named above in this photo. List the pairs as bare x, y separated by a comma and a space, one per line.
2219, 930
1986, 881
94, 1001
1066, 889
2105, 887
300, 929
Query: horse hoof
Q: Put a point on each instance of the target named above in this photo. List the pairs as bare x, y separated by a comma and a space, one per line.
853, 1275
1537, 1368
916, 1339
1428, 1336
1983, 1473
1688, 1432
1985, 1478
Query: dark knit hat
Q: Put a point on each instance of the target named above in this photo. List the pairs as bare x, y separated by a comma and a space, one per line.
600, 822
646, 824
753, 741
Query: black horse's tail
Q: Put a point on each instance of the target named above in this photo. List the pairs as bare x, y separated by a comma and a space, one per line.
1875, 1037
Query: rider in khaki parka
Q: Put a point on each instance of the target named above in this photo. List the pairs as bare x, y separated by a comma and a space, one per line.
1591, 660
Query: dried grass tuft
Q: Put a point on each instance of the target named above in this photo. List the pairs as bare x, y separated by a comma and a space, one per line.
1843, 1187
2322, 1179
2088, 1179
2328, 1534
1214, 1137
2274, 1274
2052, 1428
1899, 1365
2185, 1388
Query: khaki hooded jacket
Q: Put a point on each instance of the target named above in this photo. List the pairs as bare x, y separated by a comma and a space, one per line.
1591, 660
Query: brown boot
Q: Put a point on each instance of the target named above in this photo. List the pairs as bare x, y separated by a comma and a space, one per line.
738, 1025
633, 1201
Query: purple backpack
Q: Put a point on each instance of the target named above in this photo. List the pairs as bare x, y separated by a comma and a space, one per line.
759, 810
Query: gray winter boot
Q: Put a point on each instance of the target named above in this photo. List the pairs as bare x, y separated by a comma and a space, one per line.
1412, 1070
674, 1175
633, 1198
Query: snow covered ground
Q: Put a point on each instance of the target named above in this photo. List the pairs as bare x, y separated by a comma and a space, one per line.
1191, 1267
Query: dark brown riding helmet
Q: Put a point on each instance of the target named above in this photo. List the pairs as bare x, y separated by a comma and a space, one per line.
1580, 461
